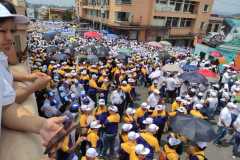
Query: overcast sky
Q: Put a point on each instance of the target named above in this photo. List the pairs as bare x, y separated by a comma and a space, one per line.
220, 6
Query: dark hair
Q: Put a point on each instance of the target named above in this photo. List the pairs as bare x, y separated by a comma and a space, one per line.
10, 7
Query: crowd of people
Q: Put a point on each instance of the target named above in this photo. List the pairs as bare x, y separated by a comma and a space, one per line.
123, 105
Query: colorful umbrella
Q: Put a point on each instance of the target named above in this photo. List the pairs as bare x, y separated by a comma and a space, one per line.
207, 73
222, 60
155, 44
215, 54
95, 35
194, 77
189, 68
165, 43
172, 68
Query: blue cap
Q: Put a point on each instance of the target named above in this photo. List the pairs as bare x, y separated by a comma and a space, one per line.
85, 100
74, 107
50, 94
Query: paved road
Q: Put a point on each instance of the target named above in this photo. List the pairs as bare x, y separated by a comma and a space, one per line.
212, 152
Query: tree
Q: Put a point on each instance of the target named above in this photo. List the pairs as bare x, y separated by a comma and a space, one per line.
67, 15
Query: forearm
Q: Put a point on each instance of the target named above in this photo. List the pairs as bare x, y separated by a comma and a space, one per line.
18, 76
18, 118
22, 93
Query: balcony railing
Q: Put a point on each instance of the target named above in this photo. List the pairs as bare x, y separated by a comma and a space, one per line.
120, 2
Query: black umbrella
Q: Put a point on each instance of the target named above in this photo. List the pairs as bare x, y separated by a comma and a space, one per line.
93, 59
194, 77
102, 51
195, 129
91, 49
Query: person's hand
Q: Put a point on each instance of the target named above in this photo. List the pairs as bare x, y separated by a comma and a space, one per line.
41, 83
36, 75
50, 127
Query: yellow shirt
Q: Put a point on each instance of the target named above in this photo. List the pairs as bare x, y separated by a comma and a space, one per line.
64, 146
124, 137
83, 120
175, 106
127, 88
128, 146
171, 154
100, 110
93, 138
151, 88
93, 84
199, 154
128, 119
151, 140
144, 71
84, 77
157, 114
104, 86
84, 158
197, 114
139, 113
133, 156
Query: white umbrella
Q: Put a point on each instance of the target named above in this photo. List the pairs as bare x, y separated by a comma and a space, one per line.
171, 68
155, 74
165, 43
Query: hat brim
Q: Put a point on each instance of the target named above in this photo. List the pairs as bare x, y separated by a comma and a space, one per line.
19, 19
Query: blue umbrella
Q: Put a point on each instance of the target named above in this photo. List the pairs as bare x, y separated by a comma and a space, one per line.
189, 68
194, 77
112, 36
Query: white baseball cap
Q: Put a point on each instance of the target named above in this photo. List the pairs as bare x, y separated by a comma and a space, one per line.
130, 111
4, 13
91, 152
141, 150
199, 106
127, 127
152, 128
160, 107
148, 120
173, 141
202, 144
95, 125
133, 135
144, 105
101, 102
182, 110
113, 108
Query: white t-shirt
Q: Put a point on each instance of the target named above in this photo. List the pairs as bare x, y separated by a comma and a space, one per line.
171, 84
236, 123
8, 94
225, 116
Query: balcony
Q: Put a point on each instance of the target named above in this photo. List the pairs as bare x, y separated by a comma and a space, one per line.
181, 31
123, 2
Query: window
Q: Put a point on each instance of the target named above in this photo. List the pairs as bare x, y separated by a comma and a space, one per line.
178, 6
216, 28
158, 17
205, 9
202, 25
209, 28
175, 21
169, 22
188, 23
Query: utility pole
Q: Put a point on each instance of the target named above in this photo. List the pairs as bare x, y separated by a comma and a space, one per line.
101, 14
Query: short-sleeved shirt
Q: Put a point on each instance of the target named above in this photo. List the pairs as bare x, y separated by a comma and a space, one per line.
8, 94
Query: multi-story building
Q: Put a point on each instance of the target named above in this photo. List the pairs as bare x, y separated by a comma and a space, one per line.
147, 20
